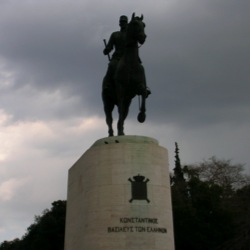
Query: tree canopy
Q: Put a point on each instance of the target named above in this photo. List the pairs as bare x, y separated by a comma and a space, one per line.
47, 232
210, 205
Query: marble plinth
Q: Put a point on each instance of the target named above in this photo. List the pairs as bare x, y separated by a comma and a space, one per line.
119, 197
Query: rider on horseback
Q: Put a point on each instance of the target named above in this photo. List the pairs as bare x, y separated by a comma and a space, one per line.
125, 77
117, 41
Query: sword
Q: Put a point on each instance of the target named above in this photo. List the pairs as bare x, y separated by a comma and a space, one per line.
105, 43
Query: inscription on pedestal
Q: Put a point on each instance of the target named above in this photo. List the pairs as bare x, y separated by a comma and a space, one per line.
143, 225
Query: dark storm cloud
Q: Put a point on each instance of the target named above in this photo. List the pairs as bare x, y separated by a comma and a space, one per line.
202, 70
50, 48
47, 45
195, 56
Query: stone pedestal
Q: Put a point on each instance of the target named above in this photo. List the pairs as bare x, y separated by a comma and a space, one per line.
119, 197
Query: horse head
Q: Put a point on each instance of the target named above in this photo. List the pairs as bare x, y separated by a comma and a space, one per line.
135, 30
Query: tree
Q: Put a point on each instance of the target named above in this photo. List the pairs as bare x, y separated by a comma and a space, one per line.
182, 211
221, 172
201, 219
47, 232
10, 245
178, 172
241, 210
219, 193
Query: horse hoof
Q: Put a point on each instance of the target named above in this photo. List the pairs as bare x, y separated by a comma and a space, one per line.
141, 117
120, 133
111, 132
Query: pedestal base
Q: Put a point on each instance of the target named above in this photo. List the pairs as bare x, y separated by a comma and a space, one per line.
119, 197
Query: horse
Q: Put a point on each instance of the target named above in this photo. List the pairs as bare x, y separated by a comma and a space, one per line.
129, 79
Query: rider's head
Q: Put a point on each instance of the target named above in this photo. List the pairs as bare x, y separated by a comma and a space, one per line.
123, 22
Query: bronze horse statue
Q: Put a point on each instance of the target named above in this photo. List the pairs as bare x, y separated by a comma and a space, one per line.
129, 79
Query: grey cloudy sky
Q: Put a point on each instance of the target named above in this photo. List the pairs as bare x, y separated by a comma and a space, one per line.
196, 59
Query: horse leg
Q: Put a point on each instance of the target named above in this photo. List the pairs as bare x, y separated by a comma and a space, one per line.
143, 92
108, 108
109, 119
120, 123
142, 114
123, 110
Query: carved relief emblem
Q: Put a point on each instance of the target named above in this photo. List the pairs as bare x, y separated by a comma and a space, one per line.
139, 188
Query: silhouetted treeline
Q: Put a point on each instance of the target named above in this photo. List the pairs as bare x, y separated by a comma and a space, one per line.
211, 205
46, 233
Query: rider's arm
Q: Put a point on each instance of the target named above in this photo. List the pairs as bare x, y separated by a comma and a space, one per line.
110, 44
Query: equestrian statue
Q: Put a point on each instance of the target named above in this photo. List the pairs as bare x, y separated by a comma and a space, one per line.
125, 77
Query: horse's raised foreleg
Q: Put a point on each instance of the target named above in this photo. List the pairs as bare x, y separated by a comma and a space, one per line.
142, 114
143, 92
